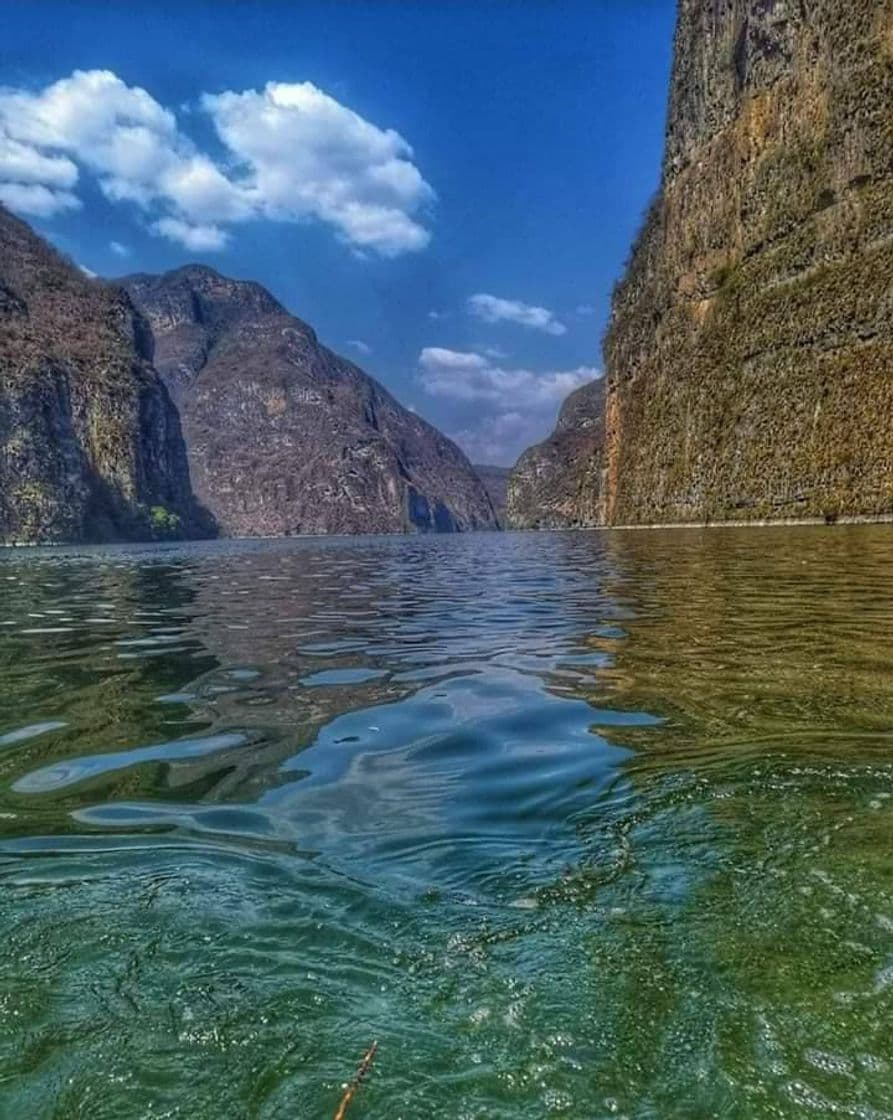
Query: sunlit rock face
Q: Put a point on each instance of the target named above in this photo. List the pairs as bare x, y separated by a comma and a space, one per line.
90, 442
286, 437
750, 353
557, 483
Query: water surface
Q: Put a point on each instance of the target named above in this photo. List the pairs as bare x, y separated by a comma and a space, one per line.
596, 825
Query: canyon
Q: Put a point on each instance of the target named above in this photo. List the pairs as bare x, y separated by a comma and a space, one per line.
749, 356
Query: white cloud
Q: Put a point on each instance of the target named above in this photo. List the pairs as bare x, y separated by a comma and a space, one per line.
308, 156
360, 346
438, 363
472, 377
501, 439
21, 163
199, 238
120, 133
493, 309
585, 309
119, 249
37, 200
492, 411
294, 154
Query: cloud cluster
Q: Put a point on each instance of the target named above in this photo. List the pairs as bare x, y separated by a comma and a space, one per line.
496, 412
289, 152
493, 309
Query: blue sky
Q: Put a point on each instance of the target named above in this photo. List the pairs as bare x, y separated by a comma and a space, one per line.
446, 191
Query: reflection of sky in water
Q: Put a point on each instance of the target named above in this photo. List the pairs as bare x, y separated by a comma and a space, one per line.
584, 824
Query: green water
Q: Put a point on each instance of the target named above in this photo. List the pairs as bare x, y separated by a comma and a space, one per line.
595, 825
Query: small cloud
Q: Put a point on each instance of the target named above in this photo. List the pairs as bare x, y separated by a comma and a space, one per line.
198, 238
87, 271
494, 309
360, 346
495, 352
119, 249
469, 376
436, 359
585, 309
437, 316
37, 200
501, 440
493, 411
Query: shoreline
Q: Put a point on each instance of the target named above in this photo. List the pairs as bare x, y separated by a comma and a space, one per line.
754, 523
761, 523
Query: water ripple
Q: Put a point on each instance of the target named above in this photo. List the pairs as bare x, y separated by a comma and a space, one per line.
574, 824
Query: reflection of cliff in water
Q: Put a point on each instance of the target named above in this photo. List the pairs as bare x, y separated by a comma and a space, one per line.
303, 635
146, 650
751, 638
750, 897
90, 646
298, 636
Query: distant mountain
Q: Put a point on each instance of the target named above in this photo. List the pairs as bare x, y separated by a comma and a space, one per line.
90, 443
495, 480
283, 435
554, 482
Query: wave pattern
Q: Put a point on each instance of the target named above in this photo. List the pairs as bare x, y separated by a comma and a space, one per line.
573, 824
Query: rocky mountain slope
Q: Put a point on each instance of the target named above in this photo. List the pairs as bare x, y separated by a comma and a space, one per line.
496, 481
283, 435
556, 483
90, 443
750, 354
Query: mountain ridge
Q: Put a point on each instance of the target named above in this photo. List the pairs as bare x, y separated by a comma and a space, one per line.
341, 454
547, 487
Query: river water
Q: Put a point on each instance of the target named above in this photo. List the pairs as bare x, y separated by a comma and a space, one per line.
589, 825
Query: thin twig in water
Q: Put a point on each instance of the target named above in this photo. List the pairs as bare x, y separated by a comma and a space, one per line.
359, 1077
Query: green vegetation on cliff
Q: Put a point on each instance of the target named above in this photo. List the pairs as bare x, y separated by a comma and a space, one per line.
750, 353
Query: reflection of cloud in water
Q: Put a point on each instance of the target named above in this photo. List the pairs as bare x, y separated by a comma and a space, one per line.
450, 787
351, 624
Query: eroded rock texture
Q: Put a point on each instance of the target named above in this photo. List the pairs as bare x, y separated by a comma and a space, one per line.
750, 354
284, 436
90, 442
557, 483
496, 481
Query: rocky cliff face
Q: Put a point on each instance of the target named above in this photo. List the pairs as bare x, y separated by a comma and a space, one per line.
496, 481
284, 436
556, 484
750, 354
90, 443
